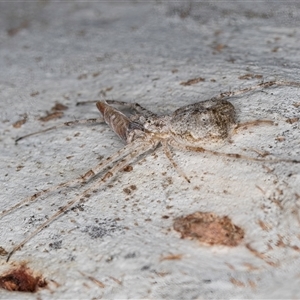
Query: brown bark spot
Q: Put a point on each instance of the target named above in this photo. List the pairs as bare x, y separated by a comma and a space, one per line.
52, 116
192, 81
209, 228
22, 279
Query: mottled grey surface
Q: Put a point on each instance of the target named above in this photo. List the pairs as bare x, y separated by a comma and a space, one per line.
136, 51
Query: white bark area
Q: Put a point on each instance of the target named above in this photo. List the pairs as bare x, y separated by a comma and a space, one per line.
67, 52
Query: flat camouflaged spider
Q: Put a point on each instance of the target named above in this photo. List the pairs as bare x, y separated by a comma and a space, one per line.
188, 128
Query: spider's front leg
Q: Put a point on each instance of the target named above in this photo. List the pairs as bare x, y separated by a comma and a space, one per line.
137, 143
135, 107
129, 105
125, 128
261, 85
82, 179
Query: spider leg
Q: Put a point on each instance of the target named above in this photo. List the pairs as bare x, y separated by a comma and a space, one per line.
65, 124
246, 125
86, 102
80, 180
168, 153
116, 168
232, 155
133, 106
266, 84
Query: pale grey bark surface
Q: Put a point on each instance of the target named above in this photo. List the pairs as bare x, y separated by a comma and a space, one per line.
136, 51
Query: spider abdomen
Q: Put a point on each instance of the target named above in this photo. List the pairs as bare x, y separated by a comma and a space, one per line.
210, 120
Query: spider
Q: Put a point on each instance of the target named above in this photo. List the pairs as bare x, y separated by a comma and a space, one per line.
189, 127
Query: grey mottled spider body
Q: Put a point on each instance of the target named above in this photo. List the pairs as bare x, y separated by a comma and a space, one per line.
193, 125
187, 128
198, 123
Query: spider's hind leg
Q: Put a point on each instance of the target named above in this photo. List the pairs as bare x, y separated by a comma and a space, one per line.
232, 155
246, 125
260, 85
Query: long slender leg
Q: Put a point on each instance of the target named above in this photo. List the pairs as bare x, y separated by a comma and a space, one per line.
246, 125
121, 164
258, 86
66, 124
133, 106
80, 180
232, 155
170, 157
86, 102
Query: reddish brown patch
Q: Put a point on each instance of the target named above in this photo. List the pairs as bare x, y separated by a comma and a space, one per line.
292, 120
3, 252
33, 94
296, 104
103, 91
82, 76
250, 267
219, 47
20, 167
250, 76
252, 284
52, 116
15, 30
264, 226
22, 279
127, 191
192, 81
209, 228
261, 256
128, 168
108, 89
59, 107
280, 138
19, 123
133, 187
237, 282
94, 280
116, 280
172, 257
